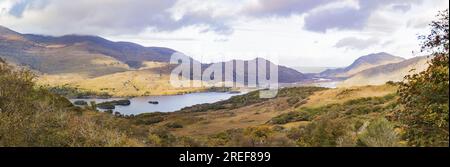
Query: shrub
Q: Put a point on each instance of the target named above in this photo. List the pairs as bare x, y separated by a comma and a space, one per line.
257, 136
379, 133
161, 137
174, 125
425, 96
291, 117
32, 116
325, 132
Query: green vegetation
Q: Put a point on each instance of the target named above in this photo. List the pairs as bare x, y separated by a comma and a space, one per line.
291, 117
340, 124
32, 116
425, 96
76, 93
295, 95
349, 109
249, 137
51, 120
416, 115
149, 118
380, 133
174, 125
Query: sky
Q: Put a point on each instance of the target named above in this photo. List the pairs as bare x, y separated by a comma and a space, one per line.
323, 33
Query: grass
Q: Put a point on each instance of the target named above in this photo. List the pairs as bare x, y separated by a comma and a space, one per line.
77, 93
351, 108
292, 118
153, 80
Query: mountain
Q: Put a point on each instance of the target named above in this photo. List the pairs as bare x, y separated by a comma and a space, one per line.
285, 74
76, 52
129, 53
361, 64
9, 34
95, 63
389, 72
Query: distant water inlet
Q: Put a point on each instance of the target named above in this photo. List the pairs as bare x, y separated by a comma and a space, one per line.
170, 103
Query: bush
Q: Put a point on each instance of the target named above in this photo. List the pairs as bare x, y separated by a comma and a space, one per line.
174, 125
32, 116
291, 117
425, 96
148, 119
161, 137
292, 101
258, 136
326, 132
379, 133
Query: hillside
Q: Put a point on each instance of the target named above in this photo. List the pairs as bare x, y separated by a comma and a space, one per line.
97, 64
285, 74
89, 55
390, 72
244, 120
361, 64
283, 121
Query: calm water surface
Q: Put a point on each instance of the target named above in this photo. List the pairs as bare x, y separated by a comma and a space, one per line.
166, 103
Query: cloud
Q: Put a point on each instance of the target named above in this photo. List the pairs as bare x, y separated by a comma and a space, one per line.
106, 16
267, 8
402, 7
109, 17
341, 18
17, 7
351, 18
356, 43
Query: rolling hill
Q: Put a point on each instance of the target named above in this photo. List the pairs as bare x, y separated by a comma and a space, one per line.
389, 72
361, 64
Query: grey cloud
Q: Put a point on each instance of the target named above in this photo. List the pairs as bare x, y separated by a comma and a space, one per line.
341, 18
111, 16
356, 43
20, 6
348, 17
267, 8
402, 7
217, 25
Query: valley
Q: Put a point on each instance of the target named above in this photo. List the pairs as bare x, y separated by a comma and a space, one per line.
82, 90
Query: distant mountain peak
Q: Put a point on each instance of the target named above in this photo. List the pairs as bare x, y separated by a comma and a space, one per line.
363, 63
375, 58
4, 31
389, 72
378, 56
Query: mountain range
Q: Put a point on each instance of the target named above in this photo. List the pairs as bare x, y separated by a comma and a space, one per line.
129, 69
95, 63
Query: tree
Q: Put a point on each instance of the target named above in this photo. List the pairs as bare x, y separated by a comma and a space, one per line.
425, 95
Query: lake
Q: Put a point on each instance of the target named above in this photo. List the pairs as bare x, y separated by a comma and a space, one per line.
169, 103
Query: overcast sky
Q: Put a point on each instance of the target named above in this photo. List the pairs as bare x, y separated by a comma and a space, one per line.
294, 32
